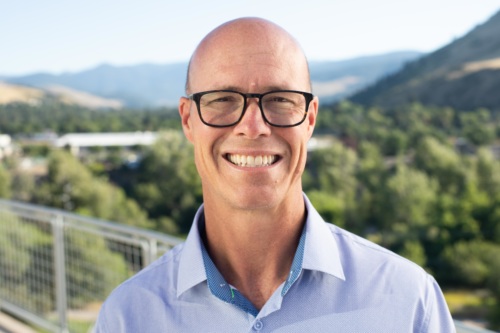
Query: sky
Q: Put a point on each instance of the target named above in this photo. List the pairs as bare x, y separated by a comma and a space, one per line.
58, 36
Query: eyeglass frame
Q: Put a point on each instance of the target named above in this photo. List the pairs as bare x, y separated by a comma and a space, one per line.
196, 97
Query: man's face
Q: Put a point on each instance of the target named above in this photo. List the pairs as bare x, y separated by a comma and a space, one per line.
248, 65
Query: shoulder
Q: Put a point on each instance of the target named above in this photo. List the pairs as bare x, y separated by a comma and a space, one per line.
159, 271
141, 294
376, 274
361, 256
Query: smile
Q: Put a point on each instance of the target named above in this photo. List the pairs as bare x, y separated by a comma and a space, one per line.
252, 161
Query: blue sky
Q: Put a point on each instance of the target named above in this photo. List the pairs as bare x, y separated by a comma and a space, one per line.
59, 36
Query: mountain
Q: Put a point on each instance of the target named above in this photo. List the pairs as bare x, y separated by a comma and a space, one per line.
12, 93
464, 74
150, 85
136, 86
334, 80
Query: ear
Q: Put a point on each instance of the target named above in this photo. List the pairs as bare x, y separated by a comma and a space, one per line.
185, 113
312, 113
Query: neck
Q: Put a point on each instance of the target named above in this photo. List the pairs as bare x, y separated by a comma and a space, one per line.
254, 249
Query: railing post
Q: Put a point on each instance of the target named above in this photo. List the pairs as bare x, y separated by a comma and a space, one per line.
60, 272
150, 250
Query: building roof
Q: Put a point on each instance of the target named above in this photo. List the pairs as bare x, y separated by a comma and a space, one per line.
106, 139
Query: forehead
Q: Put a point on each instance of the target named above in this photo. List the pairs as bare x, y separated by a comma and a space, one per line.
249, 57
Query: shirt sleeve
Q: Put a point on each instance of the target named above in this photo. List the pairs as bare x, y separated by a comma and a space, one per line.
438, 317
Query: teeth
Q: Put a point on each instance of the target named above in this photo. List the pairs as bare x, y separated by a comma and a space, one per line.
252, 161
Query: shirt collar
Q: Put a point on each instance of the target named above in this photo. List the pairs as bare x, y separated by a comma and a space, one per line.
191, 267
321, 251
317, 251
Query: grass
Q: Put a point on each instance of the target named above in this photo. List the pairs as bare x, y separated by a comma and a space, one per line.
75, 326
469, 304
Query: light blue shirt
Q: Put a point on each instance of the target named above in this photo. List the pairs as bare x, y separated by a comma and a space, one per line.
338, 282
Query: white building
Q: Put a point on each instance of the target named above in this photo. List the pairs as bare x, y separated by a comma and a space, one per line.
75, 141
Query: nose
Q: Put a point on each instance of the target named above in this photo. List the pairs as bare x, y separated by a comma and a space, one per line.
252, 124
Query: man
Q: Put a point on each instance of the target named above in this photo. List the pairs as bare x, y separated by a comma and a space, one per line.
258, 256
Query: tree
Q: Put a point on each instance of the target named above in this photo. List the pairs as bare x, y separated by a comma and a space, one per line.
488, 172
371, 175
414, 251
329, 206
333, 171
471, 263
70, 185
23, 186
5, 182
477, 127
442, 163
408, 198
168, 183
493, 284
395, 143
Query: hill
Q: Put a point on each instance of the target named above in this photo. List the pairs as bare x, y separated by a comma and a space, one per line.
151, 85
13, 93
464, 74
135, 86
333, 80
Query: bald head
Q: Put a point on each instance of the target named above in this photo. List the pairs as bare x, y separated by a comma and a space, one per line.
247, 42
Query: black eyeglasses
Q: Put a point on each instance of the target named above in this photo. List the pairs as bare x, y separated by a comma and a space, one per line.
224, 108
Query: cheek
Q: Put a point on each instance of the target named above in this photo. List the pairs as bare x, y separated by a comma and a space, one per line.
205, 151
301, 164
298, 151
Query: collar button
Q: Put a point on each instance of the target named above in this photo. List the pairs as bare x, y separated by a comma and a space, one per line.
258, 325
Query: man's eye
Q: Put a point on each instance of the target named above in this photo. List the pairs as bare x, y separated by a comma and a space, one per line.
280, 99
221, 99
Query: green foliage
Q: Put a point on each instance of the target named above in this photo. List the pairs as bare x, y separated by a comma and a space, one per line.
407, 197
35, 150
70, 185
86, 254
488, 172
23, 186
442, 163
329, 206
27, 273
5, 182
27, 119
493, 283
168, 184
414, 251
333, 171
18, 243
477, 127
473, 262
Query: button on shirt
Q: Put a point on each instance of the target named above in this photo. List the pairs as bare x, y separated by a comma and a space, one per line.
338, 282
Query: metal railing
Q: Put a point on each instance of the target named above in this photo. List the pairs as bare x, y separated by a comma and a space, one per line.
464, 328
56, 268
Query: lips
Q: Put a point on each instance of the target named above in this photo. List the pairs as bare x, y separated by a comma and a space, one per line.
251, 161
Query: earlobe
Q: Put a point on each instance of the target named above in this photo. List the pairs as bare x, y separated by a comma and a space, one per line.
185, 113
312, 113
